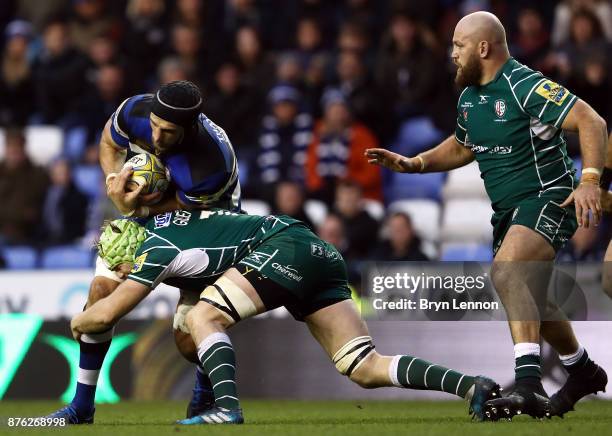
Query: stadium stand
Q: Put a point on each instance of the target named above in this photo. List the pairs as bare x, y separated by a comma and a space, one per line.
466, 221
20, 257
66, 257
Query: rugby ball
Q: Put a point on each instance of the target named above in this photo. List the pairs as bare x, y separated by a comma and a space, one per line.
148, 171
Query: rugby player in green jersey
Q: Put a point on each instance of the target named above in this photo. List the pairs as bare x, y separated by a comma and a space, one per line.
258, 264
511, 120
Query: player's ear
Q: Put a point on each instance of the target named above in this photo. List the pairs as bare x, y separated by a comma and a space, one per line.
483, 49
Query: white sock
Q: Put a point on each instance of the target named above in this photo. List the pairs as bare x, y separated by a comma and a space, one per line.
210, 340
570, 359
525, 349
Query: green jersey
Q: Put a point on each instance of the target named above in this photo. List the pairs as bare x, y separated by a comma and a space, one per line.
513, 126
190, 249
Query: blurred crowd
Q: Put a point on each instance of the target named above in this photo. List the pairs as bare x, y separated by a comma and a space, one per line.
302, 87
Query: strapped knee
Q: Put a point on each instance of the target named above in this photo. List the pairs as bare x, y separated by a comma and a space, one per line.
230, 299
352, 354
180, 318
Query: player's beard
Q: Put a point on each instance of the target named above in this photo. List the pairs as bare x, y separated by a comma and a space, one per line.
470, 73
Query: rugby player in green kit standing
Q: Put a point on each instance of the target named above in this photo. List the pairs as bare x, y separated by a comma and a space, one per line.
510, 120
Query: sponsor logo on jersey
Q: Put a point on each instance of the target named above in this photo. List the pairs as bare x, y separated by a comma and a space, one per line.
162, 220
500, 108
318, 250
257, 259
139, 262
287, 271
553, 92
484, 99
465, 115
181, 218
498, 149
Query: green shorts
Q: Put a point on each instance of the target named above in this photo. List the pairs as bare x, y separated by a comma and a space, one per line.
541, 213
296, 269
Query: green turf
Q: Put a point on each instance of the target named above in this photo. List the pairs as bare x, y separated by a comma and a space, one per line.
316, 418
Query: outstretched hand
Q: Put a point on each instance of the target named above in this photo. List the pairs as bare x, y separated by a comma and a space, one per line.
391, 160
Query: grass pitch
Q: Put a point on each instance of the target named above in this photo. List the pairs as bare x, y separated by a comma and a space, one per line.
317, 418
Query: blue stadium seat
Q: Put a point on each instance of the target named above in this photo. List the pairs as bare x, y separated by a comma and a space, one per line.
20, 257
416, 135
88, 178
578, 166
401, 186
75, 141
67, 257
467, 252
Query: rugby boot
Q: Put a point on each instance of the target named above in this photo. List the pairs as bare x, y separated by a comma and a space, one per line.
71, 416
484, 389
526, 398
589, 380
216, 415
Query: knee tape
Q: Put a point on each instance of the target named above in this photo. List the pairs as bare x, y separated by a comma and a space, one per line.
232, 301
180, 321
352, 354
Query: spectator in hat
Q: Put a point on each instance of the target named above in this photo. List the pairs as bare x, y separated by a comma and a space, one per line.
16, 83
337, 149
284, 138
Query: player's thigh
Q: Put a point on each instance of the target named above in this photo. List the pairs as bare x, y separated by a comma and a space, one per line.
522, 243
229, 300
99, 288
336, 325
182, 336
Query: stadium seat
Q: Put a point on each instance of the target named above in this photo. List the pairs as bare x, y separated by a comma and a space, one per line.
75, 143
467, 221
425, 216
466, 252
316, 211
67, 257
44, 143
88, 178
20, 257
464, 182
399, 186
578, 166
416, 135
255, 207
374, 208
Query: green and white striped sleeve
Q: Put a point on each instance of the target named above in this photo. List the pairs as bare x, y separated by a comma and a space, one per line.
544, 99
151, 260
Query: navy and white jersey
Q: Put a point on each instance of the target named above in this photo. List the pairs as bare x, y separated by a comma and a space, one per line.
203, 166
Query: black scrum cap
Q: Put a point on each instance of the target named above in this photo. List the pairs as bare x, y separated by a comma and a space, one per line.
178, 102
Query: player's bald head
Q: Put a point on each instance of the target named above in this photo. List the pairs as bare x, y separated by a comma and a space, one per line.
479, 48
482, 26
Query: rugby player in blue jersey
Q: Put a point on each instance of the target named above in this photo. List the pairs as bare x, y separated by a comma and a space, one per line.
204, 173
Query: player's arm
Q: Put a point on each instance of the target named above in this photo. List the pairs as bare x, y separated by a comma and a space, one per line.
112, 155
592, 133
446, 156
105, 313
